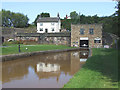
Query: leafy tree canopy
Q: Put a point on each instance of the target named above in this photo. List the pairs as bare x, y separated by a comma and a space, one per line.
74, 15
110, 23
118, 17
11, 19
45, 14
41, 15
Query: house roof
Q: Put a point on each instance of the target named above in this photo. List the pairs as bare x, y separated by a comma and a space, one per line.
48, 19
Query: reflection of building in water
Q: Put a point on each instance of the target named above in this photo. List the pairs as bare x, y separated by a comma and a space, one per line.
75, 62
76, 54
42, 67
53, 66
83, 55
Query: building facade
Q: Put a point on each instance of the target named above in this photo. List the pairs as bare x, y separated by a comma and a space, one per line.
48, 25
82, 35
86, 35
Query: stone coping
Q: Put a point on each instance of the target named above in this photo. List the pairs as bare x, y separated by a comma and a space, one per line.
27, 54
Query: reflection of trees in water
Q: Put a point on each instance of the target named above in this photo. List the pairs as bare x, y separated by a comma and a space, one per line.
65, 62
14, 70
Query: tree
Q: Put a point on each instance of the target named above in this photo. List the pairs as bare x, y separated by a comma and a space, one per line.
73, 15
11, 19
66, 24
35, 22
109, 22
41, 15
96, 18
45, 14
118, 16
6, 22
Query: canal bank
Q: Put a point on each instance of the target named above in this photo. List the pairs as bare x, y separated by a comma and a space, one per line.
27, 54
99, 71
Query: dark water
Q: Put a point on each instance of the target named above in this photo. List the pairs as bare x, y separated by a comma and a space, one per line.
42, 71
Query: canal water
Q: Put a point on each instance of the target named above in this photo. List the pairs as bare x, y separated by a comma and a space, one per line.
42, 71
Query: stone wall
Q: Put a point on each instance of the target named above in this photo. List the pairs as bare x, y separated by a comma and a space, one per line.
57, 40
24, 39
45, 38
75, 34
10, 33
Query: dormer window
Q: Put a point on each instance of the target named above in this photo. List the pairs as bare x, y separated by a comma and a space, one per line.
41, 24
52, 24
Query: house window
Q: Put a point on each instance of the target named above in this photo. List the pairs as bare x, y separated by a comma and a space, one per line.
91, 31
82, 31
97, 40
41, 29
53, 29
41, 24
52, 24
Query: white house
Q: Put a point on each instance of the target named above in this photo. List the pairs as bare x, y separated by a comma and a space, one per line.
48, 25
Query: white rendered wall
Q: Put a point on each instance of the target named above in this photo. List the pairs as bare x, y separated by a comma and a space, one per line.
49, 26
59, 24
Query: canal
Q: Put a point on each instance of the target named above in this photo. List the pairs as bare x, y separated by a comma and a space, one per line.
43, 71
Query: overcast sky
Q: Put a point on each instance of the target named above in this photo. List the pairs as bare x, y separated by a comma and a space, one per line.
35, 7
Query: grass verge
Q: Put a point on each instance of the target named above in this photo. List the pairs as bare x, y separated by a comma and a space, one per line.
99, 71
13, 49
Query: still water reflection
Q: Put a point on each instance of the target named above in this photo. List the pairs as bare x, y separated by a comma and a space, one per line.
42, 71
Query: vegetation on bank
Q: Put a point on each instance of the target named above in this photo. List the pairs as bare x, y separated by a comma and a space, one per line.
110, 23
13, 48
100, 71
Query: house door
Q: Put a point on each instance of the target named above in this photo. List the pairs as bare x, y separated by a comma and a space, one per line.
84, 43
46, 30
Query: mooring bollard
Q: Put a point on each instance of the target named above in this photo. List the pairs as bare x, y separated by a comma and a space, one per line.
19, 48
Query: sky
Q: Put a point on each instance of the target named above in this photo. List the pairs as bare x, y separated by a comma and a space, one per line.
33, 7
